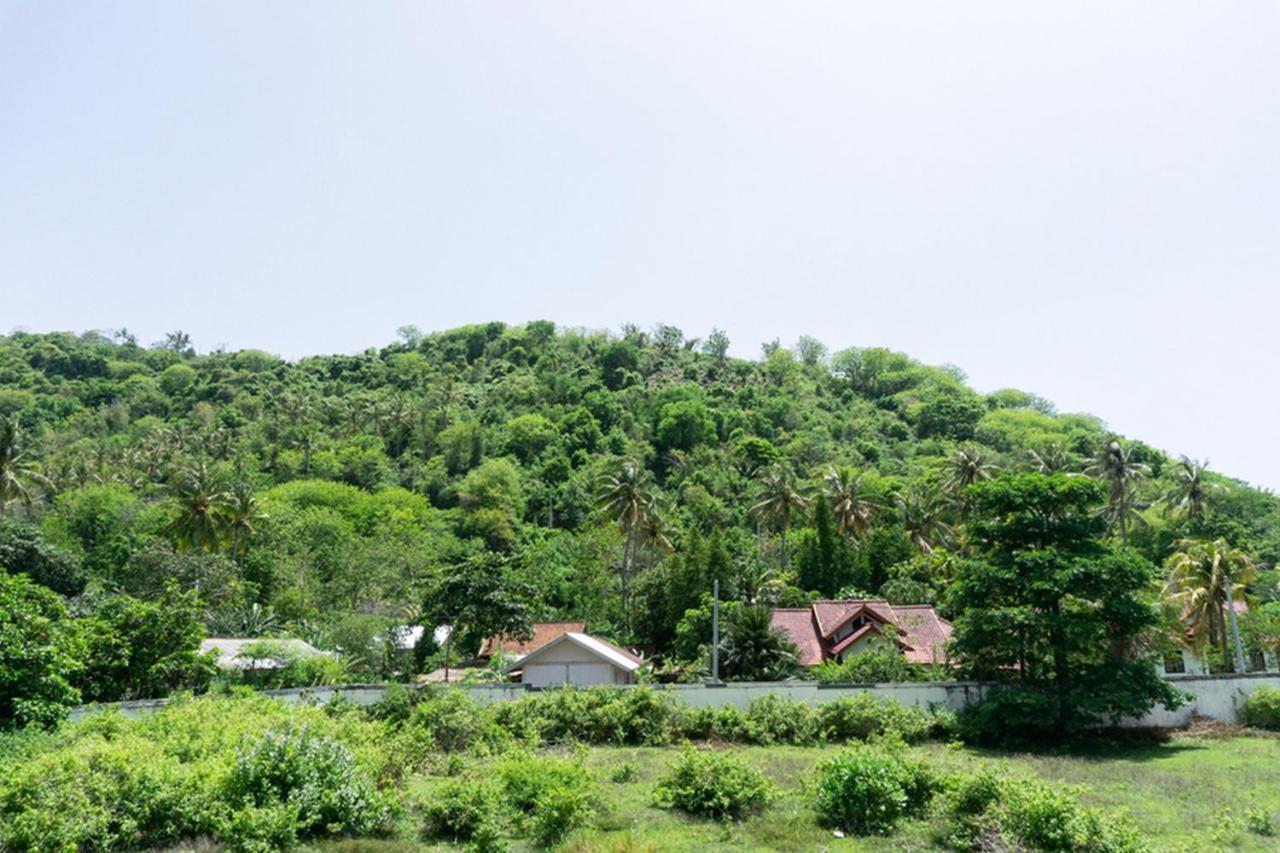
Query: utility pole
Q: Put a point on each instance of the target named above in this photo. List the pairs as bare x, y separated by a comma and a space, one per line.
715, 632
1235, 627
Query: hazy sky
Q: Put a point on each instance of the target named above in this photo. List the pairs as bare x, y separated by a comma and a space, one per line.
1082, 201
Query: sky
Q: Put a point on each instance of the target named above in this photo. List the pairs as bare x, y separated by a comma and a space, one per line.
1079, 199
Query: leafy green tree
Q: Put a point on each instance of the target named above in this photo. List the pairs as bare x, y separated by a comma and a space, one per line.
144, 649
754, 650
479, 598
1198, 573
683, 425
1052, 609
39, 654
23, 550
823, 560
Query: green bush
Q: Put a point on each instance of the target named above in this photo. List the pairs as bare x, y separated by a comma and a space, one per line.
450, 721
867, 789
968, 801
865, 715
313, 775
626, 771
558, 811
637, 715
524, 778
462, 810
773, 720
713, 784
1262, 709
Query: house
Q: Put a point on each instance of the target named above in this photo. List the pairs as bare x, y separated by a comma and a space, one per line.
543, 633
837, 630
577, 659
1199, 656
252, 653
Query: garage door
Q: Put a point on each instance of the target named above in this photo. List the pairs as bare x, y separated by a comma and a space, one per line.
577, 674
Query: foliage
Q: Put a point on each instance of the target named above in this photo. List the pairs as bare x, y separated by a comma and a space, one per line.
713, 784
39, 654
1053, 609
867, 789
1262, 708
754, 649
880, 662
864, 716
463, 810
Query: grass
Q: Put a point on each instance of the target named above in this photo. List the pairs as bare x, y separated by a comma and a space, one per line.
1187, 794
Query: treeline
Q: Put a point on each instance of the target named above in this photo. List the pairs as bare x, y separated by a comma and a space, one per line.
596, 476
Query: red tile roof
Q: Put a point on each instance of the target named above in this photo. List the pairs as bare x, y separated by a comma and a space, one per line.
922, 634
543, 633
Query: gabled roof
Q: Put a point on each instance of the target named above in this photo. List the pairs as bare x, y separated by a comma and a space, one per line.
621, 658
543, 633
921, 633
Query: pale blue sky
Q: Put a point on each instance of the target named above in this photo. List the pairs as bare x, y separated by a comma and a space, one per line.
1082, 201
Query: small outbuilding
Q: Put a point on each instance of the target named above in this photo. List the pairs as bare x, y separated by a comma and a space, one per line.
576, 659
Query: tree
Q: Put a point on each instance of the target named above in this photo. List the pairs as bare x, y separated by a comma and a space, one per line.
479, 598
716, 344
23, 550
627, 497
1190, 493
242, 513
138, 649
1197, 586
823, 559
853, 503
39, 654
17, 474
754, 649
201, 520
1052, 611
1114, 465
923, 511
778, 500
970, 465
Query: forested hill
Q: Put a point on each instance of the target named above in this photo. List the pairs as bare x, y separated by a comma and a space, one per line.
333, 490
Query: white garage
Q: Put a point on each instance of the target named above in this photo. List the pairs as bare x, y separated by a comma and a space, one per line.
577, 659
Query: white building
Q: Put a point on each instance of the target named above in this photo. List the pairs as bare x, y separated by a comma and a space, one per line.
575, 659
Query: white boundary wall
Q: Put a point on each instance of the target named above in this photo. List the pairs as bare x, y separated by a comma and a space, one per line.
1218, 697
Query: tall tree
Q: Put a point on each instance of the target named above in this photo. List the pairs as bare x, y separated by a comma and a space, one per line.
201, 521
242, 513
754, 650
778, 500
629, 498
1197, 585
1114, 465
17, 474
923, 512
1191, 491
479, 598
970, 464
1052, 610
853, 503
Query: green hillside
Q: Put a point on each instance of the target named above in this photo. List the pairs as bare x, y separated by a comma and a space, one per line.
323, 497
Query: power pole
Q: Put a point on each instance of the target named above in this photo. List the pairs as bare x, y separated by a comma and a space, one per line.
715, 631
1235, 627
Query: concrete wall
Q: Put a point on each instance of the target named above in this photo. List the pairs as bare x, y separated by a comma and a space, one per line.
1218, 697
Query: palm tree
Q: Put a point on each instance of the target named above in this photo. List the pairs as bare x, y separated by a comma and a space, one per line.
629, 498
922, 511
1053, 459
240, 513
753, 649
1114, 465
1189, 495
16, 473
969, 465
778, 499
852, 504
1197, 585
756, 582
200, 522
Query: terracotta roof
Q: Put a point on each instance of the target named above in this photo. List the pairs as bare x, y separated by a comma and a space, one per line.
922, 634
543, 633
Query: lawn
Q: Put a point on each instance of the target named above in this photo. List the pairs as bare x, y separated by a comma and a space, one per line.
1189, 794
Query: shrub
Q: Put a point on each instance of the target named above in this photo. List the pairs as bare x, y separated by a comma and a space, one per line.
1009, 716
463, 810
450, 721
625, 772
1259, 822
552, 795
313, 775
558, 811
1262, 709
770, 720
866, 790
713, 784
638, 715
865, 715
967, 804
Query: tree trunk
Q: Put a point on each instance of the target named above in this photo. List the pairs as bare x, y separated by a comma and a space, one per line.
448, 640
1060, 674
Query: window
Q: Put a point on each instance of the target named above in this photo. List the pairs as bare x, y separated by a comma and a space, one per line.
1174, 663
1257, 661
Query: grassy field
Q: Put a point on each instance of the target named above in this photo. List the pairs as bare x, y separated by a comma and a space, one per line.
1189, 794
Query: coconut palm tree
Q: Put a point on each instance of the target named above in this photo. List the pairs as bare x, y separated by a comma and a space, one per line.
241, 513
969, 465
201, 520
629, 498
923, 511
1190, 493
753, 649
756, 582
778, 499
1114, 466
1197, 585
853, 504
17, 474
1052, 459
